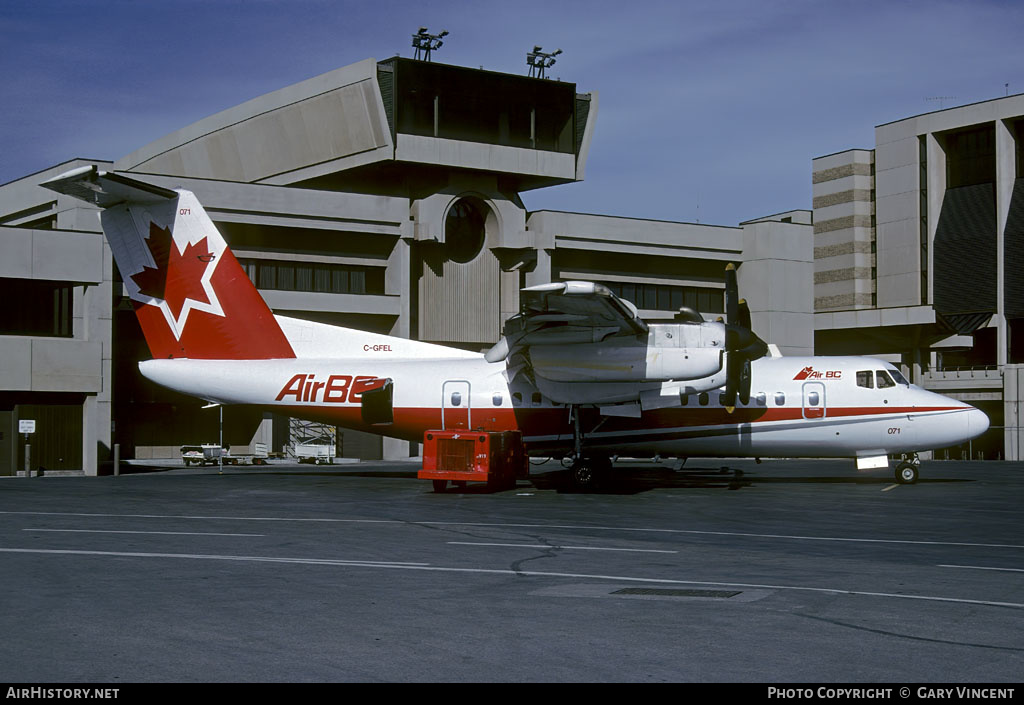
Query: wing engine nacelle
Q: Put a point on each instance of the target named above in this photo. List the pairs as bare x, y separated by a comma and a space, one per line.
618, 363
666, 353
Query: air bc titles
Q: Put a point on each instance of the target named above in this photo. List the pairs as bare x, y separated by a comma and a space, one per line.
336, 389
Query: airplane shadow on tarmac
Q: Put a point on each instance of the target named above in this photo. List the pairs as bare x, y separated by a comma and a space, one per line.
631, 481
624, 481
620, 481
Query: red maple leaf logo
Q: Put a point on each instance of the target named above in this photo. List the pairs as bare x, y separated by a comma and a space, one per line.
151, 281
177, 276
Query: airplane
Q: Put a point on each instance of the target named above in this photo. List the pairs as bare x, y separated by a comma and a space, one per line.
576, 371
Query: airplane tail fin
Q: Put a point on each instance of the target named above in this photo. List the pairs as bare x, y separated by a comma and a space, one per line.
191, 296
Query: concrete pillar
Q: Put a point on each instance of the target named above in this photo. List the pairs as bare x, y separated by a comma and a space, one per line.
936, 192
90, 434
1006, 172
398, 280
395, 449
541, 274
1013, 394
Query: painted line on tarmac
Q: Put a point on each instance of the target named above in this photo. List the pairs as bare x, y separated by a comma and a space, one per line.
984, 567
575, 548
574, 527
890, 487
160, 533
503, 571
214, 557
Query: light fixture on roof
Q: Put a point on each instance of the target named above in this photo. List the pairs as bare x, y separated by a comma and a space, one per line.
424, 42
539, 61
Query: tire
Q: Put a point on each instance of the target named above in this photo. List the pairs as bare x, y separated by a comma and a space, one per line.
584, 474
906, 473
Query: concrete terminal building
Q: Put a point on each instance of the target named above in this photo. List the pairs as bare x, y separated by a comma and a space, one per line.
919, 256
384, 196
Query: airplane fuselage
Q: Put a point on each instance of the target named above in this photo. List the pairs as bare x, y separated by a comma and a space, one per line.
799, 406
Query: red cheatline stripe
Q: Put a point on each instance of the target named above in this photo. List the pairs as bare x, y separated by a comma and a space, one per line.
411, 422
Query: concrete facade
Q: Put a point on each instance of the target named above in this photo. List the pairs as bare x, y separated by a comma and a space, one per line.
386, 196
940, 200
60, 377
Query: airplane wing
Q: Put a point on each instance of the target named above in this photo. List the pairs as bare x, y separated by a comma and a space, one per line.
578, 343
564, 313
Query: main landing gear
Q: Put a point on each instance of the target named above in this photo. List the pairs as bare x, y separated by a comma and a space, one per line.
586, 472
907, 470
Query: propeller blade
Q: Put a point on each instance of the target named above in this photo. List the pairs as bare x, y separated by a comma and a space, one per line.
741, 343
745, 383
732, 297
744, 314
733, 370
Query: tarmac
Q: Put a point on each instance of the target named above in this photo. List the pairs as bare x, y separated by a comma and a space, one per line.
795, 572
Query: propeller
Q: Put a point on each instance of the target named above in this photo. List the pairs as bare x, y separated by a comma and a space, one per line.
742, 346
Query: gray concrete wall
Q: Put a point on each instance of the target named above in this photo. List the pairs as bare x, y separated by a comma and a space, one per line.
280, 135
74, 252
843, 200
659, 238
776, 280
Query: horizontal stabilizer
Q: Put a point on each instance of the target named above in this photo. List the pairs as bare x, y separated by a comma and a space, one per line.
106, 189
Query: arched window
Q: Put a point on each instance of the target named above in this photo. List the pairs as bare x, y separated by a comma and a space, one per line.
464, 231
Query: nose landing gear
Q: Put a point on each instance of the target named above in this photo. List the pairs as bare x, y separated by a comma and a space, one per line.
907, 470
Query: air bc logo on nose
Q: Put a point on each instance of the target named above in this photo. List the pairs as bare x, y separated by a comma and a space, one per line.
338, 389
810, 373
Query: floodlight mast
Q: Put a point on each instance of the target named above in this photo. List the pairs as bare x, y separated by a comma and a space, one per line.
539, 61
424, 43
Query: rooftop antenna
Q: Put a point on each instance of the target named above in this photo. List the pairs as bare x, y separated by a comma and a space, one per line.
539, 61
424, 42
942, 100
1006, 87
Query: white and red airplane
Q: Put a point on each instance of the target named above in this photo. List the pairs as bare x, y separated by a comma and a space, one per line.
577, 371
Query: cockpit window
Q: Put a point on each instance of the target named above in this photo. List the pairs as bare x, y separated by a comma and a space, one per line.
865, 379
900, 379
883, 379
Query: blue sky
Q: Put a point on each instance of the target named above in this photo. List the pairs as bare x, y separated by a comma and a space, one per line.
709, 111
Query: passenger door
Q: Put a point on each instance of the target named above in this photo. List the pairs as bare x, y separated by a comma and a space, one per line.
455, 411
814, 400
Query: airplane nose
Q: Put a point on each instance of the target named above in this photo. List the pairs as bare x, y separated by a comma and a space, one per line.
977, 422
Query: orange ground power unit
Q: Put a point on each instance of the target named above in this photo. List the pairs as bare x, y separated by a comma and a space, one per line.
461, 456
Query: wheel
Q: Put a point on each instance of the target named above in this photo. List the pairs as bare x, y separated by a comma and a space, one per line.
906, 473
584, 475
439, 485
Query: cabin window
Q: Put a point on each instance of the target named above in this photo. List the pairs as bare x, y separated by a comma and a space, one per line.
456, 398
721, 399
865, 379
496, 399
883, 379
813, 399
517, 398
535, 398
761, 399
780, 399
703, 399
